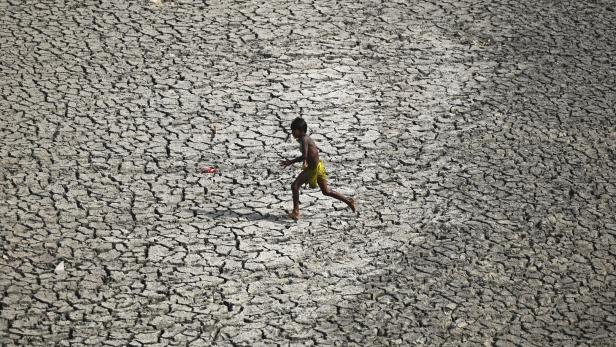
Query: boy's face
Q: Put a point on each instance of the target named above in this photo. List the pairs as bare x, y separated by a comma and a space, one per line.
297, 133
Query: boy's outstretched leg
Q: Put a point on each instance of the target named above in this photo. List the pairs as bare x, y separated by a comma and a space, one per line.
301, 179
329, 192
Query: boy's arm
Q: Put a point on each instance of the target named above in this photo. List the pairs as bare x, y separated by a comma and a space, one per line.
292, 161
298, 159
307, 142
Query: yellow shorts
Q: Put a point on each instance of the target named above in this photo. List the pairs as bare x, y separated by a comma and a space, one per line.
316, 174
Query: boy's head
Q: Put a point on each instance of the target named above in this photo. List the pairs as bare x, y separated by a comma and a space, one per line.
299, 127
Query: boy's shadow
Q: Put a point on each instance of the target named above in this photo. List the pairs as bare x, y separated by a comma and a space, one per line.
253, 216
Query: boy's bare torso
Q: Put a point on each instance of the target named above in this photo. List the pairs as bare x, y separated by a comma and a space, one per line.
309, 150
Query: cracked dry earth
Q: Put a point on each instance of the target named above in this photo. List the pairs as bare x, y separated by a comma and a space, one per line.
477, 136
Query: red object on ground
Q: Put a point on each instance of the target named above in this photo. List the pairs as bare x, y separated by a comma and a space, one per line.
208, 170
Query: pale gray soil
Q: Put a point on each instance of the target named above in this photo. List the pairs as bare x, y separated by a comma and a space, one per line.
477, 136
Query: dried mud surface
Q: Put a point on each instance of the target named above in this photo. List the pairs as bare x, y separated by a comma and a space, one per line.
477, 136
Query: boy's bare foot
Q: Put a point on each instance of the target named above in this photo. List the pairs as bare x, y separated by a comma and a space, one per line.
352, 205
294, 215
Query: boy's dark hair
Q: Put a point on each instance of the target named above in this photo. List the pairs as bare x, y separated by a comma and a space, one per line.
299, 123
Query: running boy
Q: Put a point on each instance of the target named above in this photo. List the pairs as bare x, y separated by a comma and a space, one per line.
314, 170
